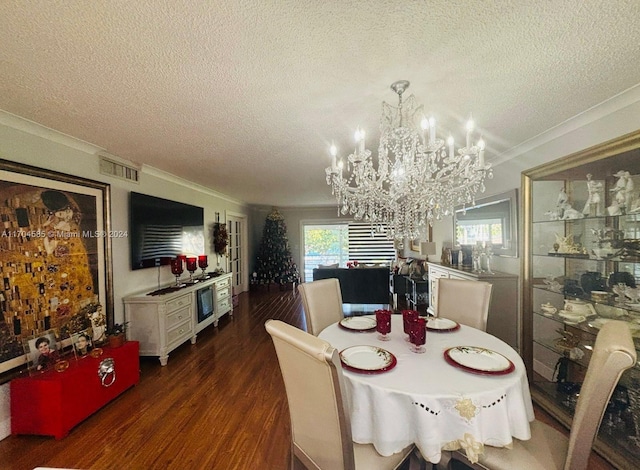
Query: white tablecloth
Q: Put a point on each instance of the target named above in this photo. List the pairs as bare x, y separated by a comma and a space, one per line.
426, 401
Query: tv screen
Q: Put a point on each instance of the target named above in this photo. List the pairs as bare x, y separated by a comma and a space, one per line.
161, 229
205, 303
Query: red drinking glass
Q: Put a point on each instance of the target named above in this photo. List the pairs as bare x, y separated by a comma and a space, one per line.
408, 317
176, 269
418, 335
383, 324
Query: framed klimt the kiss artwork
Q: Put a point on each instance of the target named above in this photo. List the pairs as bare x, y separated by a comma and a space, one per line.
55, 256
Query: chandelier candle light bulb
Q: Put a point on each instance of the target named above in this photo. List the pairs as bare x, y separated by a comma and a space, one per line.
416, 181
334, 152
469, 130
424, 124
432, 130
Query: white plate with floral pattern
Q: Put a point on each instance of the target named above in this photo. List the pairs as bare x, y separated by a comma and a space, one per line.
442, 325
478, 360
367, 359
358, 323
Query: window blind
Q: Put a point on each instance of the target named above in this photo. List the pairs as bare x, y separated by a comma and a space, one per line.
367, 245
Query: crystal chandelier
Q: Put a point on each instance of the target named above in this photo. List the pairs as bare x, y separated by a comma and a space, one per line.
418, 178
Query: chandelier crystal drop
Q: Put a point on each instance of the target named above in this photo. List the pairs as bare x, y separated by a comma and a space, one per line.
419, 178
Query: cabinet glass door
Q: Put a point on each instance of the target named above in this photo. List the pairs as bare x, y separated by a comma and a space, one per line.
581, 270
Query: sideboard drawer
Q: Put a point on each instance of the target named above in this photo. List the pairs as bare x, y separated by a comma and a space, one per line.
177, 317
180, 333
184, 301
223, 293
223, 283
224, 305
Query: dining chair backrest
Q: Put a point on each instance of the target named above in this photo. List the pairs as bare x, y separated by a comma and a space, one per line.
613, 353
464, 301
320, 426
322, 302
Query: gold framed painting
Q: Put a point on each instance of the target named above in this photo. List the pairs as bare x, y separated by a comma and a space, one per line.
55, 257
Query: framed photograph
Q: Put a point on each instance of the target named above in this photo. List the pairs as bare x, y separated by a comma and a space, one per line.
41, 351
82, 343
55, 256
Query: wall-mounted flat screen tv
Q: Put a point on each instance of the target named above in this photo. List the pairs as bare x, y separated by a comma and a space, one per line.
161, 229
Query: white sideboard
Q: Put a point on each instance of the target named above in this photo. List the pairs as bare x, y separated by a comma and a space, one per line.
163, 320
503, 309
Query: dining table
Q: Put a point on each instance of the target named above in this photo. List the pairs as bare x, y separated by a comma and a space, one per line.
467, 390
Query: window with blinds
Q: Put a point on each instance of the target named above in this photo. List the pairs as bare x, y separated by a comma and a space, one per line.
337, 243
367, 245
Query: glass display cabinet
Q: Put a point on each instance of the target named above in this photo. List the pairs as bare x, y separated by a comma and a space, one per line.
581, 269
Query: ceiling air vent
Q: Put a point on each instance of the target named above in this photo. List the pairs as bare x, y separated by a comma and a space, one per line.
111, 167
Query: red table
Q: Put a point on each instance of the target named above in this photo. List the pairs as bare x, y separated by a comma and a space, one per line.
51, 403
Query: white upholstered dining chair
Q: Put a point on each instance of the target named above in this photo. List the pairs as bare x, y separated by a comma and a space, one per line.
322, 302
466, 302
320, 423
613, 353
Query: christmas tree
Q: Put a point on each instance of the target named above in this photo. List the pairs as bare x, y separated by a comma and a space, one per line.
273, 262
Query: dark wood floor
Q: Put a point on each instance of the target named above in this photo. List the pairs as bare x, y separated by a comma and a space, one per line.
218, 404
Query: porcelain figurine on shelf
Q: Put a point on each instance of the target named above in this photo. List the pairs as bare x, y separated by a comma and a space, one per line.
553, 284
564, 210
566, 244
593, 206
622, 194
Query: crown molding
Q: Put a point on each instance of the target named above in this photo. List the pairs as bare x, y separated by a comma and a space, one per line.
599, 111
163, 175
31, 127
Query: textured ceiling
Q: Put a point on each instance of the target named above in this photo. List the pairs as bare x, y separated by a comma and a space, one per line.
245, 97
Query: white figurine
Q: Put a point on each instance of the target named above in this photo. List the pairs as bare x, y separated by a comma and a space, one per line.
564, 210
593, 206
622, 194
561, 204
570, 213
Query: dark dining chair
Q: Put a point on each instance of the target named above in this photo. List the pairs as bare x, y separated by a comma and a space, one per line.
320, 424
464, 301
322, 303
549, 449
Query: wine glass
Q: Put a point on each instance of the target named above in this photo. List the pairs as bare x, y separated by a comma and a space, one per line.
203, 263
177, 269
418, 335
408, 316
192, 264
383, 324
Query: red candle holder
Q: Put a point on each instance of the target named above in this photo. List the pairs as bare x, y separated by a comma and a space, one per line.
192, 265
203, 263
177, 269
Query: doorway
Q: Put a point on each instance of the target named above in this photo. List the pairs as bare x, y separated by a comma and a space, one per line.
237, 255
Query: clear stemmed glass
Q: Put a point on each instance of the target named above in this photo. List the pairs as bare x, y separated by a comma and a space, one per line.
383, 324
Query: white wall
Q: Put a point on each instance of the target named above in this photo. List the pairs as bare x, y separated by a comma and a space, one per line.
26, 142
